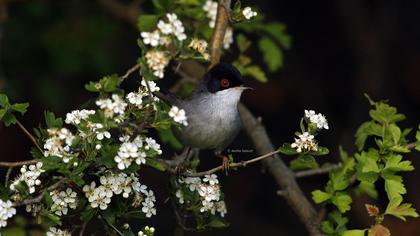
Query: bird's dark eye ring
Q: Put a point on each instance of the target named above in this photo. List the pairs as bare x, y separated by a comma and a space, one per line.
224, 83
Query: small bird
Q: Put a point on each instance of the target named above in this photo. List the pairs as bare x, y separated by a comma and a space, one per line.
212, 110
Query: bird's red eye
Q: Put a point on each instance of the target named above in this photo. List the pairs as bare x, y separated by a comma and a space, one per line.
224, 83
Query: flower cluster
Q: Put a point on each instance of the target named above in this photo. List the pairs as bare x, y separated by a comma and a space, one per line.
129, 152
136, 98
318, 119
146, 231
57, 232
305, 142
76, 116
6, 211
248, 13
63, 200
200, 46
210, 7
115, 184
157, 61
208, 189
59, 143
173, 26
99, 130
29, 175
113, 106
178, 115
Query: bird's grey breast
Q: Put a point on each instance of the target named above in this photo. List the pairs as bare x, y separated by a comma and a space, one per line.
213, 119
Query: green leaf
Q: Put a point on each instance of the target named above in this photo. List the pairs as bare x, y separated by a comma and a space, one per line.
272, 54
342, 201
162, 4
321, 151
51, 121
20, 107
385, 114
4, 101
51, 162
327, 227
366, 129
168, 137
110, 83
8, 118
155, 164
286, 149
13, 231
88, 214
256, 72
147, 22
278, 31
319, 196
394, 163
395, 133
368, 161
399, 210
394, 186
242, 42
304, 162
51, 217
218, 223
354, 232
2, 113
368, 188
418, 140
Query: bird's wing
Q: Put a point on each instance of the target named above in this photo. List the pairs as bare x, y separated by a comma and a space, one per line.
169, 98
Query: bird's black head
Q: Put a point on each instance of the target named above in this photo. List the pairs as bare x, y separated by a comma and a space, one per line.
222, 76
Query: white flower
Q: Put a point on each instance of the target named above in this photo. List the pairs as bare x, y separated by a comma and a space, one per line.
212, 179
149, 204
152, 85
193, 183
102, 135
59, 144
180, 196
129, 152
152, 144
149, 229
228, 39
318, 119
112, 106
174, 26
210, 7
135, 99
200, 46
76, 116
221, 208
305, 142
29, 175
63, 200
151, 38
34, 209
248, 13
52, 231
178, 115
157, 61
6, 211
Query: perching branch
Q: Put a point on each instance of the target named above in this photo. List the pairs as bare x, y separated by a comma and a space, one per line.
232, 165
129, 72
222, 21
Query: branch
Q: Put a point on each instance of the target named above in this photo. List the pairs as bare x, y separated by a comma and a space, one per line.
222, 21
284, 177
39, 197
112, 226
18, 163
30, 136
129, 72
319, 171
233, 165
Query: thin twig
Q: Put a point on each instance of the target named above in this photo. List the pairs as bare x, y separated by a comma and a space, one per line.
29, 135
112, 226
232, 165
9, 172
319, 171
129, 72
82, 230
39, 197
18, 163
411, 145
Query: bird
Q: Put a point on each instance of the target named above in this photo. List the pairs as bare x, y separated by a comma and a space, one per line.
211, 110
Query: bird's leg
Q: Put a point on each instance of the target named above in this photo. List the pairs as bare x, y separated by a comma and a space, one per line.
225, 161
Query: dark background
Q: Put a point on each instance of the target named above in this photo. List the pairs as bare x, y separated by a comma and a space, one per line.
341, 49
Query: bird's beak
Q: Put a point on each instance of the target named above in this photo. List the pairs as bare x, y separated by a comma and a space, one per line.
246, 88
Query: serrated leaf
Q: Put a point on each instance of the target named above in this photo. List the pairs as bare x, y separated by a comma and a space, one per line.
8, 118
51, 121
20, 107
319, 196
395, 133
385, 114
327, 227
394, 163
272, 54
278, 31
321, 151
4, 101
147, 22
155, 164
394, 186
368, 188
354, 232
367, 129
418, 140
399, 210
50, 162
110, 83
342, 201
368, 161
218, 223
286, 149
2, 113
304, 162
